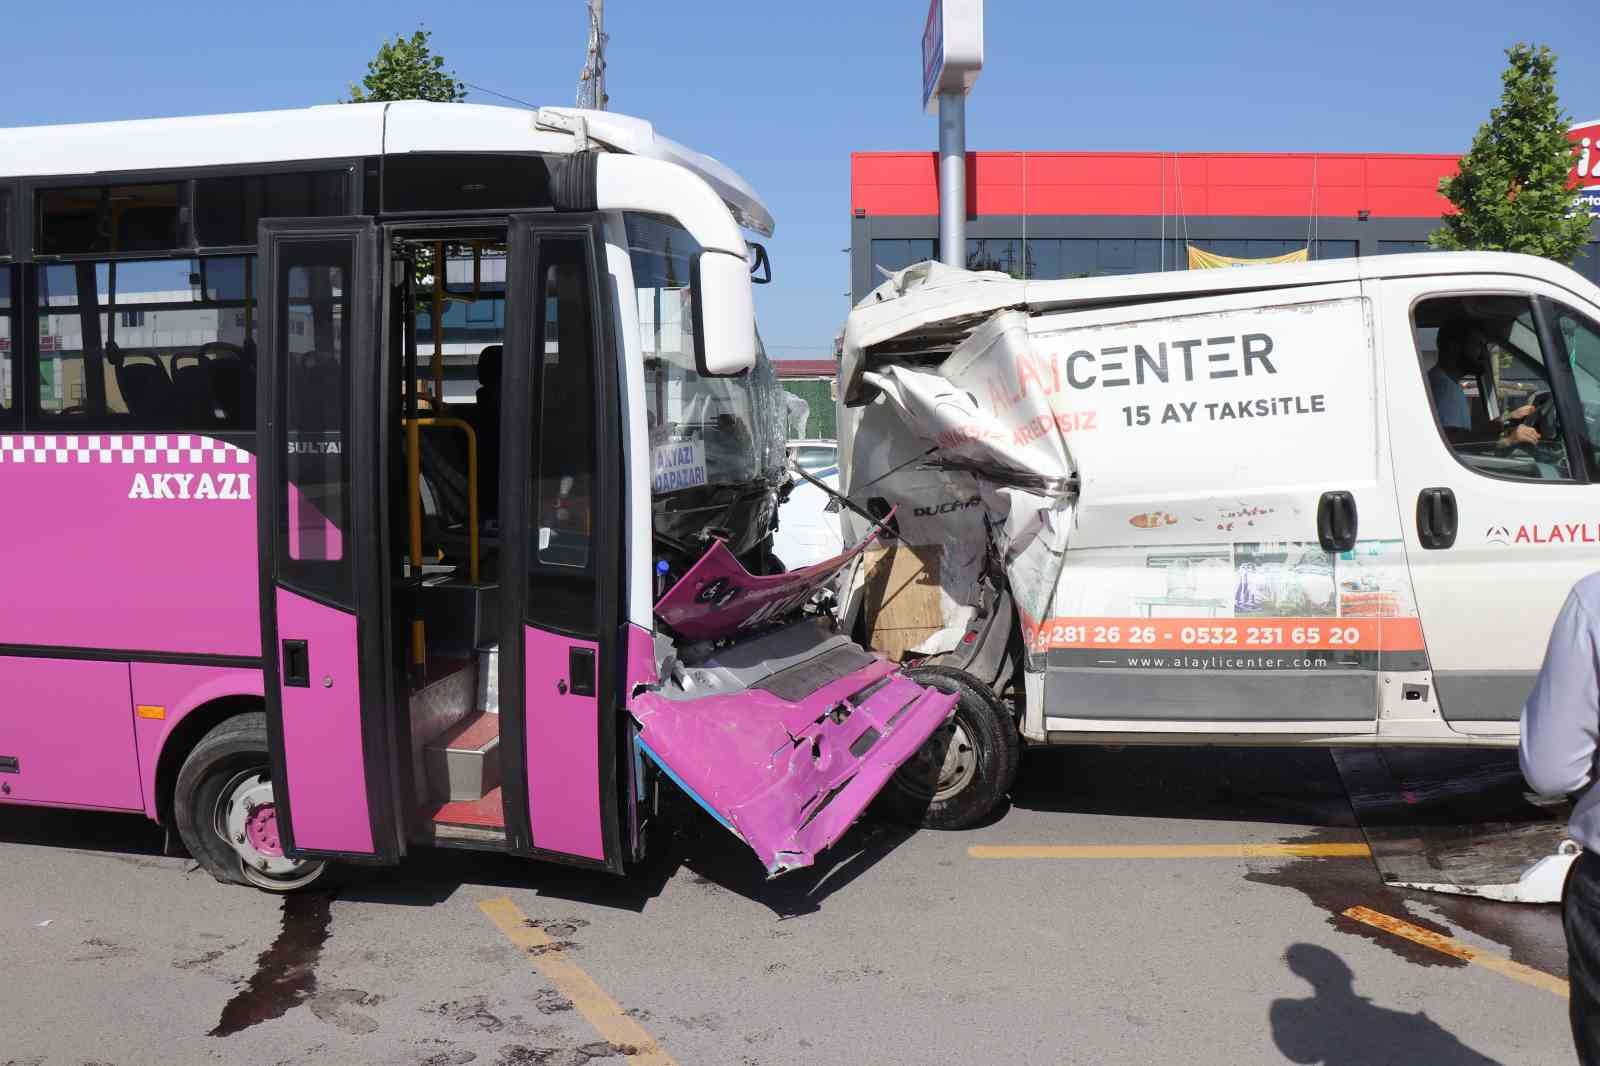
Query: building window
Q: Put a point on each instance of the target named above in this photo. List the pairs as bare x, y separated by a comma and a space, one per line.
1403, 247
184, 359
895, 254
5, 223
1004, 254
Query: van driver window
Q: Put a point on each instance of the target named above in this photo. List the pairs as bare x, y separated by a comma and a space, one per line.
1581, 335
1486, 380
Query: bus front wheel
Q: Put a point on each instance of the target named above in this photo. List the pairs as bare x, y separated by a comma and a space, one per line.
226, 813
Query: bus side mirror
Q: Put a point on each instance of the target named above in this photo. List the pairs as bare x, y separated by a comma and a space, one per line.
724, 314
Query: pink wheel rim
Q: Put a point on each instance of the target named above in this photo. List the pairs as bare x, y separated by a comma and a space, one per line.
262, 829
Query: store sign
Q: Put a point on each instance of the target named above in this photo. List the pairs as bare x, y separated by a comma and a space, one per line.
952, 48
1586, 170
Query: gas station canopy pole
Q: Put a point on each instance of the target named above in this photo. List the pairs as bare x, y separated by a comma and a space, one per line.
952, 56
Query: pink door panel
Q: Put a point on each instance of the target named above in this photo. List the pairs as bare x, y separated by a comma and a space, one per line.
69, 727
322, 730
563, 750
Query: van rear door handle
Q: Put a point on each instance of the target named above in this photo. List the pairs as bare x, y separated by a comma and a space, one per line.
1336, 521
1436, 518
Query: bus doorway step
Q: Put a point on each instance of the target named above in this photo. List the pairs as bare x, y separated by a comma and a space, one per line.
1456, 821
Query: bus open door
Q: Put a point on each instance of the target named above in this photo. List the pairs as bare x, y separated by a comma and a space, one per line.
324, 622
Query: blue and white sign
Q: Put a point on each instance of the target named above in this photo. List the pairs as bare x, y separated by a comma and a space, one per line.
952, 48
677, 465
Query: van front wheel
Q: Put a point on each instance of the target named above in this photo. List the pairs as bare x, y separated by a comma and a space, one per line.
966, 769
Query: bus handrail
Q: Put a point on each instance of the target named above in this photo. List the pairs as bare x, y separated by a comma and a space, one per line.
414, 485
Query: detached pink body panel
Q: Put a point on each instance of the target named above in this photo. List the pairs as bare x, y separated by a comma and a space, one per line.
322, 730
719, 597
150, 543
790, 776
563, 733
177, 690
69, 726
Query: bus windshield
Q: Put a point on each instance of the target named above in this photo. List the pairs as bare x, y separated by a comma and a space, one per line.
704, 431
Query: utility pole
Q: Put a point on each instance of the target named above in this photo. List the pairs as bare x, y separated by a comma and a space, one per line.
592, 82
952, 56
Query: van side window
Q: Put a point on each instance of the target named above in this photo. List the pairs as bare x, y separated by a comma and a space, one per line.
1487, 383
1581, 335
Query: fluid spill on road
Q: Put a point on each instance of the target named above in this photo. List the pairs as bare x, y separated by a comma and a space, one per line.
1529, 933
286, 973
1335, 885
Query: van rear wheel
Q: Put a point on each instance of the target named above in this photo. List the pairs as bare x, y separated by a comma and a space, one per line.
226, 813
966, 769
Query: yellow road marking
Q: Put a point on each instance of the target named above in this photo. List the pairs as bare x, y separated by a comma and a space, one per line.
1167, 851
1465, 952
558, 968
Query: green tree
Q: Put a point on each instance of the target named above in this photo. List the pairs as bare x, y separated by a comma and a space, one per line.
1511, 192
406, 69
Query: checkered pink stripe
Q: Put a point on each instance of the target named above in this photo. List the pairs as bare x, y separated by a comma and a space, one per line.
182, 449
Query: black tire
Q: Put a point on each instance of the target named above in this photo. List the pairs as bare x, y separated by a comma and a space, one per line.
234, 747
994, 745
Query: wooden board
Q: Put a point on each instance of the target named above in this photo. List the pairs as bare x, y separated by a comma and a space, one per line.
901, 598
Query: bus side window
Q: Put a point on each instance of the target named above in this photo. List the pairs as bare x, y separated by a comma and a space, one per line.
8, 333
165, 344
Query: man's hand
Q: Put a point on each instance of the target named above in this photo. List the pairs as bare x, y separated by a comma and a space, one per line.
1519, 435
1527, 410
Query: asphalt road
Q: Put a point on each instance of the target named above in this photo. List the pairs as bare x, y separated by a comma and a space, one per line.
901, 948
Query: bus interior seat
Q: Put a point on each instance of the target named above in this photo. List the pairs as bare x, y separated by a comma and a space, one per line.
194, 393
228, 381
144, 384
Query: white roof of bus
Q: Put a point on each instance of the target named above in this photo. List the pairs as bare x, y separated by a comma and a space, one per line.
338, 131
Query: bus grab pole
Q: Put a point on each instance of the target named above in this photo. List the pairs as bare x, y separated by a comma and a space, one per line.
414, 475
438, 324
419, 644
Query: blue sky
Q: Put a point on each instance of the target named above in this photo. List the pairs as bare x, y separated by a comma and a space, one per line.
784, 91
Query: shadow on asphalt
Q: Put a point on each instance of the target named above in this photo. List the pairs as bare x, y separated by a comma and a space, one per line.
1337, 1027
52, 827
694, 843
1291, 786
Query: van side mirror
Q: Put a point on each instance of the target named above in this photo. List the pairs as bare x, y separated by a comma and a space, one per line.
760, 265
724, 314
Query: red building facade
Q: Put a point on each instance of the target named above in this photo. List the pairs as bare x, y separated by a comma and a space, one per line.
1070, 214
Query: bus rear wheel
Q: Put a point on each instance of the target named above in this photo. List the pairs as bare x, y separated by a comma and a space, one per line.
226, 813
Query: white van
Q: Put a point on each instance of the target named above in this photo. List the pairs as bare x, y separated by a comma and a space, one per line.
1329, 503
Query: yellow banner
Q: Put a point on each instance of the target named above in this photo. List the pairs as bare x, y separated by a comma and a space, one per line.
1200, 259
